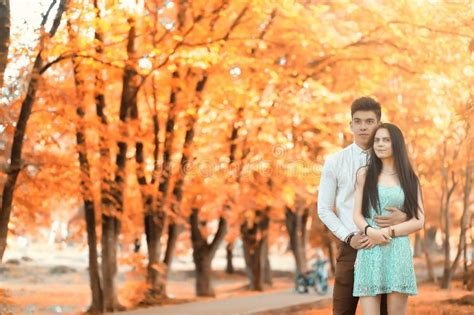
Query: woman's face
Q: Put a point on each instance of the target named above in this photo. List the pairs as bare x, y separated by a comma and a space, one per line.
383, 144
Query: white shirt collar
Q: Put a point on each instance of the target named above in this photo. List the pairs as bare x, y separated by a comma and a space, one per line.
358, 149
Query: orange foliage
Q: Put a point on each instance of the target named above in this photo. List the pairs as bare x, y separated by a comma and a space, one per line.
291, 67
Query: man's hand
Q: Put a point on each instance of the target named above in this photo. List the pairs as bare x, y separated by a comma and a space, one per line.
395, 217
359, 241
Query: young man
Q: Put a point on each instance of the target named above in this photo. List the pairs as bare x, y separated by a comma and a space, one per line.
336, 192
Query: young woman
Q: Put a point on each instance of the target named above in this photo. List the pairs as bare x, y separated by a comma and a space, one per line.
386, 266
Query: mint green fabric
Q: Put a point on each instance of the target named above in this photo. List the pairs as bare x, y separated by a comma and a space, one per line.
386, 268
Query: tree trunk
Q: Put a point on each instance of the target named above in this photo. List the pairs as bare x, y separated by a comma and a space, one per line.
109, 264
447, 274
154, 224
465, 216
94, 275
4, 37
418, 248
174, 230
254, 237
229, 255
446, 280
163, 186
426, 250
86, 186
462, 241
203, 252
20, 128
465, 264
15, 157
295, 227
267, 274
470, 281
332, 255
254, 261
128, 108
232, 150
203, 273
470, 274
108, 207
430, 238
155, 219
89, 211
157, 276
111, 220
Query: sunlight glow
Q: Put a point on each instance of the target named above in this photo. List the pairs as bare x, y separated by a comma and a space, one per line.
167, 23
145, 63
235, 72
169, 4
133, 6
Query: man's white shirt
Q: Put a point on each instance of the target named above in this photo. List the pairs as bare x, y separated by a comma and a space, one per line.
337, 190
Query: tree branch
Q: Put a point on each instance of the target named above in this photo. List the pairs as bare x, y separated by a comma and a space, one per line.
57, 20
221, 232
194, 221
434, 30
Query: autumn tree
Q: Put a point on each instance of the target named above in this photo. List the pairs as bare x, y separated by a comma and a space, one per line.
4, 37
215, 117
20, 127
86, 181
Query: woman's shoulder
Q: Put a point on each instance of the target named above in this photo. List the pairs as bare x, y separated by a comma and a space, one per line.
362, 171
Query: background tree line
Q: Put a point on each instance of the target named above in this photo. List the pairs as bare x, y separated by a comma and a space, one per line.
204, 122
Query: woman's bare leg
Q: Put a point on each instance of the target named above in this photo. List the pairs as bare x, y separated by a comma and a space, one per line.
370, 305
397, 303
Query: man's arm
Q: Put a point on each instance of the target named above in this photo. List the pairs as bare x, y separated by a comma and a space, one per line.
327, 199
395, 217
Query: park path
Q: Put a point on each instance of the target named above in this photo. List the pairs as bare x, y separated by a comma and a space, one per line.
279, 302
259, 303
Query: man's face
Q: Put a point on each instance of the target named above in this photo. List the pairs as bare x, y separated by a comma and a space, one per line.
363, 125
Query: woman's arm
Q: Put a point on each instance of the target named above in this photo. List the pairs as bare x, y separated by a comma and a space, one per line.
413, 224
375, 236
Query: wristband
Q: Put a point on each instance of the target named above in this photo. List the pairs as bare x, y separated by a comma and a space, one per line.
365, 229
392, 231
349, 238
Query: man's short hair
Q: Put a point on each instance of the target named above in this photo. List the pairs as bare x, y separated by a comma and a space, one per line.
366, 103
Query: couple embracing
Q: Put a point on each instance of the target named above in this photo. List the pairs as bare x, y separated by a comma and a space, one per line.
377, 200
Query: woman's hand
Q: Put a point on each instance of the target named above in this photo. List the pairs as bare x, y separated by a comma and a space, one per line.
379, 236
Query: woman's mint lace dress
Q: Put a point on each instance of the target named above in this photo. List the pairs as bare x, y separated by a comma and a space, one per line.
385, 268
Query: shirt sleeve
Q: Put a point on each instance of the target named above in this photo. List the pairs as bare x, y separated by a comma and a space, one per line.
327, 200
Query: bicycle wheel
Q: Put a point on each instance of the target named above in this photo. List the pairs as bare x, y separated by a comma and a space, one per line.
321, 286
301, 284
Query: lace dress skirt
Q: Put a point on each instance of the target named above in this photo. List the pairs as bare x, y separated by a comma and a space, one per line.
386, 268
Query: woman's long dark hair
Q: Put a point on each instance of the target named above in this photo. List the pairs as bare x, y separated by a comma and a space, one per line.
408, 180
